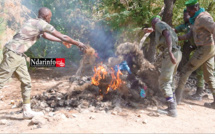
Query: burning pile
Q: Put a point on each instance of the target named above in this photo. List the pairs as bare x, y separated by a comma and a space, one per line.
106, 79
115, 86
142, 70
140, 74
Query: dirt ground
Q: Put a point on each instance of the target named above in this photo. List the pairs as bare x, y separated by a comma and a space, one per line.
193, 117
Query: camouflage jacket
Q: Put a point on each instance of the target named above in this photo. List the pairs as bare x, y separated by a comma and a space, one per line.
204, 29
28, 35
185, 28
160, 39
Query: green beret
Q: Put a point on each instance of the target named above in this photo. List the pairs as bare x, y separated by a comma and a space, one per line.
156, 16
191, 2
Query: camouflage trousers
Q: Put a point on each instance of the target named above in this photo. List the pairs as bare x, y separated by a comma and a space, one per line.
187, 52
203, 56
13, 63
168, 70
200, 77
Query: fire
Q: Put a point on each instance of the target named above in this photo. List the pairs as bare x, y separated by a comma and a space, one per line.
101, 73
116, 81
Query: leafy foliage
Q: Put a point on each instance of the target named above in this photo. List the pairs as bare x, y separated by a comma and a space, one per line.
128, 17
101, 23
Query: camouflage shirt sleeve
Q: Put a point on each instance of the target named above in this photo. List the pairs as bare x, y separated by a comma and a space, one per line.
180, 28
208, 23
160, 27
45, 27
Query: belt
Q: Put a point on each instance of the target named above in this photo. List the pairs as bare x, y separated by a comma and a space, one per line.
20, 54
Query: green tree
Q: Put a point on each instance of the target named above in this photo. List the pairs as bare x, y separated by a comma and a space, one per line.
101, 23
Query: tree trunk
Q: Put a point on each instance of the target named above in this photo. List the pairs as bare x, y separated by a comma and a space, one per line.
186, 50
168, 11
150, 50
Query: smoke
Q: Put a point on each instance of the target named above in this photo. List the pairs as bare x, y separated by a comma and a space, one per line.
103, 42
77, 20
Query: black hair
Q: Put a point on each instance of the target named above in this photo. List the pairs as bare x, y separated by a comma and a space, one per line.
43, 12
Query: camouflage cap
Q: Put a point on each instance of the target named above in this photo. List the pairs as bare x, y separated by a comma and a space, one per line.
191, 2
156, 16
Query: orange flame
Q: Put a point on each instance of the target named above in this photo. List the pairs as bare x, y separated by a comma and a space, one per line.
101, 73
116, 81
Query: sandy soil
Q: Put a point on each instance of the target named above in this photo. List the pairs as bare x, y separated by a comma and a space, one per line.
193, 117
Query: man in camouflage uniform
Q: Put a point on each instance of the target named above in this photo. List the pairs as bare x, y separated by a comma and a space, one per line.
167, 42
14, 60
203, 32
188, 47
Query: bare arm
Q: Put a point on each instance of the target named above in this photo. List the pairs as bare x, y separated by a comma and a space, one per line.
168, 39
187, 36
65, 38
50, 37
53, 38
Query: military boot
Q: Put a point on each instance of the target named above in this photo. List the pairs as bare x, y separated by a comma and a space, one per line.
211, 105
170, 111
198, 95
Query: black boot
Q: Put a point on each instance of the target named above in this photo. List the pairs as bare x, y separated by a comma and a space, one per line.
179, 95
170, 111
211, 105
198, 94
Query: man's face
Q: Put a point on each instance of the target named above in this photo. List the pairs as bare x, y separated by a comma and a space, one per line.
191, 11
48, 18
186, 17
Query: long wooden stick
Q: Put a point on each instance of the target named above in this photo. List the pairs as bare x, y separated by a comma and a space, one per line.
143, 39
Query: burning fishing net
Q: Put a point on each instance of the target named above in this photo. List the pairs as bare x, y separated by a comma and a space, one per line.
106, 79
